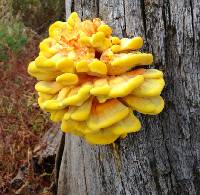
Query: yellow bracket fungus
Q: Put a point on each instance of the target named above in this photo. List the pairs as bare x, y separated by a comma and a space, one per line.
89, 80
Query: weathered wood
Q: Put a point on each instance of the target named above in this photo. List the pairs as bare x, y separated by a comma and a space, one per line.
164, 157
49, 144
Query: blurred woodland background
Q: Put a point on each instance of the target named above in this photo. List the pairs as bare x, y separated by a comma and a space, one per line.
23, 23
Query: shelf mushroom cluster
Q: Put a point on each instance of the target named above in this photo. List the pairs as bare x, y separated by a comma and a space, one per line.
90, 81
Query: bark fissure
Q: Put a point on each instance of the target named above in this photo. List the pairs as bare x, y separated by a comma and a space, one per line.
193, 29
142, 5
72, 5
81, 9
124, 17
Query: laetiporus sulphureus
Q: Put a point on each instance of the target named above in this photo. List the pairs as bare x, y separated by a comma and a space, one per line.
91, 81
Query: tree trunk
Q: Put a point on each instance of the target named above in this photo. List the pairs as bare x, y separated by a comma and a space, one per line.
164, 157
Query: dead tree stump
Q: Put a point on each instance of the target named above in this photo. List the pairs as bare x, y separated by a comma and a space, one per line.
164, 157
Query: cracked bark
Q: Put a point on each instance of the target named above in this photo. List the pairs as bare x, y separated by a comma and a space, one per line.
164, 157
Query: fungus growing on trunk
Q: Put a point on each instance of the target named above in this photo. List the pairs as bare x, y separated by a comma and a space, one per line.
90, 81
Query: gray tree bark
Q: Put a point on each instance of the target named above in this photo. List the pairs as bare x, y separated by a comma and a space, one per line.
164, 157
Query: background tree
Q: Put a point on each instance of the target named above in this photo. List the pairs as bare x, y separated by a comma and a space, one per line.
164, 157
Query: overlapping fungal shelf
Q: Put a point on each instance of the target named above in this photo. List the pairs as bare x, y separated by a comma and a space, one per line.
91, 81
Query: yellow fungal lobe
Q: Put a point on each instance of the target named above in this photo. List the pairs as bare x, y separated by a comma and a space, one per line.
122, 86
149, 88
57, 116
49, 105
105, 114
105, 29
78, 95
91, 81
129, 124
98, 67
67, 79
115, 40
145, 105
65, 64
49, 47
152, 74
82, 66
131, 44
101, 137
131, 60
48, 87
81, 113
101, 88
55, 30
63, 93
71, 126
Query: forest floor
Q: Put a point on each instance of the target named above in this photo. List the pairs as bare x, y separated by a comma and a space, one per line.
22, 123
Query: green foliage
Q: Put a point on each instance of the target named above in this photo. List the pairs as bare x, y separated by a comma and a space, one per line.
12, 39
